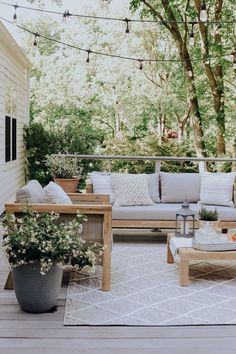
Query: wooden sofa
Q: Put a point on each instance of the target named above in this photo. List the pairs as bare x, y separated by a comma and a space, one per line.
97, 228
159, 223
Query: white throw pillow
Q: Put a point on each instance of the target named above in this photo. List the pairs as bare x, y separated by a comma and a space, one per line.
153, 179
178, 187
217, 189
102, 184
32, 193
131, 189
54, 194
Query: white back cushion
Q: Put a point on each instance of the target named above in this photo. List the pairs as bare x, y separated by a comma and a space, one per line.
217, 188
153, 179
102, 184
54, 194
32, 192
178, 187
131, 189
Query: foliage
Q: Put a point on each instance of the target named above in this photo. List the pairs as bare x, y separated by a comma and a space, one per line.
62, 166
72, 136
46, 239
151, 145
208, 215
109, 105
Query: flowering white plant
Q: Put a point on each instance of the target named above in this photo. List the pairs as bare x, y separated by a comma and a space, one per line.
62, 166
42, 237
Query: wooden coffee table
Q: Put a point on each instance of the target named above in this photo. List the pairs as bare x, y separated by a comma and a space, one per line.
187, 254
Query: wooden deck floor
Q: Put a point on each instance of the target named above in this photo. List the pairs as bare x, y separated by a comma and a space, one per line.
22, 333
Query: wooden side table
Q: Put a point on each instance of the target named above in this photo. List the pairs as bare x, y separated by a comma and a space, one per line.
187, 254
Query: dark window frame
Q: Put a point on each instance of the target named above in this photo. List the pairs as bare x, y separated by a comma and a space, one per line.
10, 138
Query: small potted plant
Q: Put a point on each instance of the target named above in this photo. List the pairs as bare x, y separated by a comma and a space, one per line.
65, 171
38, 245
208, 216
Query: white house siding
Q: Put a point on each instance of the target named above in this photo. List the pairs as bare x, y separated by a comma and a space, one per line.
14, 74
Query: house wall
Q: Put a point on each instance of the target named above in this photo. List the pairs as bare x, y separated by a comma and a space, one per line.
14, 79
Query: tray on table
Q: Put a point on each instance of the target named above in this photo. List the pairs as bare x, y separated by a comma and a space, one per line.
221, 244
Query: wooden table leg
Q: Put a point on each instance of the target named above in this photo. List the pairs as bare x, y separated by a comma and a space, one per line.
184, 271
170, 258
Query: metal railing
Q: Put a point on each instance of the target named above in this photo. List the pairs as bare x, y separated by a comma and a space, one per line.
158, 159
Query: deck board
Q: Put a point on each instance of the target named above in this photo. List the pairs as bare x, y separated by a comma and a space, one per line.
22, 333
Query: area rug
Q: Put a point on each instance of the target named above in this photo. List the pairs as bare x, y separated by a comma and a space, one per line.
146, 291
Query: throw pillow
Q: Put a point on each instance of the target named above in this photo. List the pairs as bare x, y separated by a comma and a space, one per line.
131, 189
54, 194
153, 179
178, 187
102, 184
32, 193
217, 189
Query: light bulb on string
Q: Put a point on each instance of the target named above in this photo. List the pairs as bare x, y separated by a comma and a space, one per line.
191, 37
127, 25
234, 62
140, 64
35, 40
66, 15
88, 58
203, 12
15, 15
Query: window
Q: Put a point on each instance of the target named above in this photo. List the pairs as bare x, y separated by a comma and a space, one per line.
10, 126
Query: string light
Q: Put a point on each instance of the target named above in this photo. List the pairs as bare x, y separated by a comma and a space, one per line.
89, 51
203, 12
66, 15
15, 15
36, 35
191, 36
88, 59
234, 62
127, 25
203, 15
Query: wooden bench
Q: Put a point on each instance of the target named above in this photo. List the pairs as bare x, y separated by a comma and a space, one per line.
98, 227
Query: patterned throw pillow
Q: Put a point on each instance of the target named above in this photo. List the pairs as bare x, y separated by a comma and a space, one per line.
217, 189
131, 189
54, 194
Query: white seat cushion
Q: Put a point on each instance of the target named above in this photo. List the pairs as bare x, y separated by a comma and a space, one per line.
164, 211
178, 187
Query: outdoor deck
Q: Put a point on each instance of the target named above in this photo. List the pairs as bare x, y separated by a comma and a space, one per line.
22, 333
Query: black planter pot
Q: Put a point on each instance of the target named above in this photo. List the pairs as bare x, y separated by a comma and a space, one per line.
37, 293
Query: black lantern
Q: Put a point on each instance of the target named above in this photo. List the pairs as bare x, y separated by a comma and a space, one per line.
187, 219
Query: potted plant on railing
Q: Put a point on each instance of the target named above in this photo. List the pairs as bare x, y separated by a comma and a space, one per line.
65, 171
38, 245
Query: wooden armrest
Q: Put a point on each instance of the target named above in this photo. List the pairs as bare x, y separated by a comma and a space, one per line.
89, 197
61, 208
